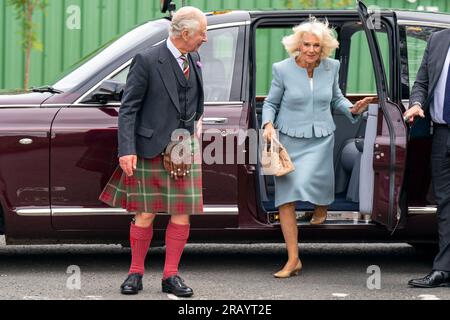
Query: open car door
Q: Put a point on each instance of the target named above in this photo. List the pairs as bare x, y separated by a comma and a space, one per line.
389, 158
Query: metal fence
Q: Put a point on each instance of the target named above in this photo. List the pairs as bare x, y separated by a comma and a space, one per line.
65, 41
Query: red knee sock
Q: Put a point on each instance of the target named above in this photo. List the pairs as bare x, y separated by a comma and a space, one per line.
140, 239
176, 238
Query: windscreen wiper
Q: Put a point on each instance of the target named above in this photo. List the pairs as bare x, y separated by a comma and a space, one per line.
46, 89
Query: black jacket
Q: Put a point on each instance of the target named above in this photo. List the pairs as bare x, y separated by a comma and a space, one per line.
431, 68
150, 109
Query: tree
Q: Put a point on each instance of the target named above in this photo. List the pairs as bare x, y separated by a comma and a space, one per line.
24, 13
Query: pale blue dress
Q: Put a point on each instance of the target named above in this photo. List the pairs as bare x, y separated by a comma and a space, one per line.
302, 112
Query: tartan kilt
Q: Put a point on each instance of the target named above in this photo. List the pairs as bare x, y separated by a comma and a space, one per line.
152, 190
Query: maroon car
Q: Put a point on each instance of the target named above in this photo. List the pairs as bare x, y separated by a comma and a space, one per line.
58, 144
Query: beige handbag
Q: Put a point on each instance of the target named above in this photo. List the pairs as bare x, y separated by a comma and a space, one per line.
275, 160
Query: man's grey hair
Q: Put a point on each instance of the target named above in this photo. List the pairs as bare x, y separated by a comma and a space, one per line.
187, 18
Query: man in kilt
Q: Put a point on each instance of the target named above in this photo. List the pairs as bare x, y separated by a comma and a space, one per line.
163, 95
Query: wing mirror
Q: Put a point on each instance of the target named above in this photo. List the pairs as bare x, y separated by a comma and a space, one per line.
109, 90
168, 5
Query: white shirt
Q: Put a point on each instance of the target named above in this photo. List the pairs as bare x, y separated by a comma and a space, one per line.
176, 53
437, 108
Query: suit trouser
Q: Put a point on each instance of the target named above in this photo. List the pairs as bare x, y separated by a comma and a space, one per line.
440, 170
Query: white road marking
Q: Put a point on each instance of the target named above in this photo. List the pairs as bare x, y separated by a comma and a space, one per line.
94, 297
35, 298
428, 297
173, 297
340, 295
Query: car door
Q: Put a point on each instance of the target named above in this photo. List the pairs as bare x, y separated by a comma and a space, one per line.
414, 38
389, 158
84, 145
24, 167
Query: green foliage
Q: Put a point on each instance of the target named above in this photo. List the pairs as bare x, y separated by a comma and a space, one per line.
24, 13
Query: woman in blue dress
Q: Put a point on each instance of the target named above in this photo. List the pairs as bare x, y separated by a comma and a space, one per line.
304, 92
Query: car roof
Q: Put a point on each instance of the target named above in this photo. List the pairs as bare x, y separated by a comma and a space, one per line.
403, 15
227, 16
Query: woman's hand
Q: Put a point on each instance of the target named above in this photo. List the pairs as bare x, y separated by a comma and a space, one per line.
361, 106
269, 132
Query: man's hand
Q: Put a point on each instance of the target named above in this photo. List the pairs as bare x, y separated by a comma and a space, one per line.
412, 113
128, 164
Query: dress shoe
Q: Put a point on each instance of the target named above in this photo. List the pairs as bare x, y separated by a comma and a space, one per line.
435, 279
132, 285
176, 286
319, 216
289, 273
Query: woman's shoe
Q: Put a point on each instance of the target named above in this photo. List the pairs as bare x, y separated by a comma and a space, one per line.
319, 216
289, 273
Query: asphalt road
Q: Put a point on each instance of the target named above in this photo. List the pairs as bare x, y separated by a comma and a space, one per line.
229, 272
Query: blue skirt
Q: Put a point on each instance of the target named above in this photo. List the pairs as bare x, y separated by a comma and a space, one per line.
313, 178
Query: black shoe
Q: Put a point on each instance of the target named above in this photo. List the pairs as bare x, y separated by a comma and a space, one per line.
132, 285
176, 286
435, 279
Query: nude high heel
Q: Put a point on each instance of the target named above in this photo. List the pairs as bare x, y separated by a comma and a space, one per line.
319, 216
289, 273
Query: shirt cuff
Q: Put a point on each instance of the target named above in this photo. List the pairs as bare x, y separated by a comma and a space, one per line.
416, 104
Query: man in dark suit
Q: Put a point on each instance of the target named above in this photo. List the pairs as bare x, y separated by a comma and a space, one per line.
431, 92
163, 94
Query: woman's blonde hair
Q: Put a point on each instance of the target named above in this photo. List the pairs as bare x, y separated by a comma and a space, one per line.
321, 30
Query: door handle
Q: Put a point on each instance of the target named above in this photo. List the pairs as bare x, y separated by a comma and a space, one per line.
215, 120
26, 141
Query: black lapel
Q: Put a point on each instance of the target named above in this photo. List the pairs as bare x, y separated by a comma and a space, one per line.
167, 75
441, 54
196, 65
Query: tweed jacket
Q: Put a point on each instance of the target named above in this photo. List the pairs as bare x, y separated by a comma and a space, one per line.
296, 110
150, 109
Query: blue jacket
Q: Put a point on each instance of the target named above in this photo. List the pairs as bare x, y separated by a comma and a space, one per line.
298, 112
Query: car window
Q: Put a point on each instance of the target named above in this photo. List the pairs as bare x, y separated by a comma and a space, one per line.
361, 76
218, 57
269, 50
417, 38
89, 66
122, 75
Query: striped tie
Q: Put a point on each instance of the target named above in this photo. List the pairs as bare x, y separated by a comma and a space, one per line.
186, 68
446, 114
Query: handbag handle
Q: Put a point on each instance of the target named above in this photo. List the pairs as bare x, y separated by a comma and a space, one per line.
274, 138
280, 146
270, 144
